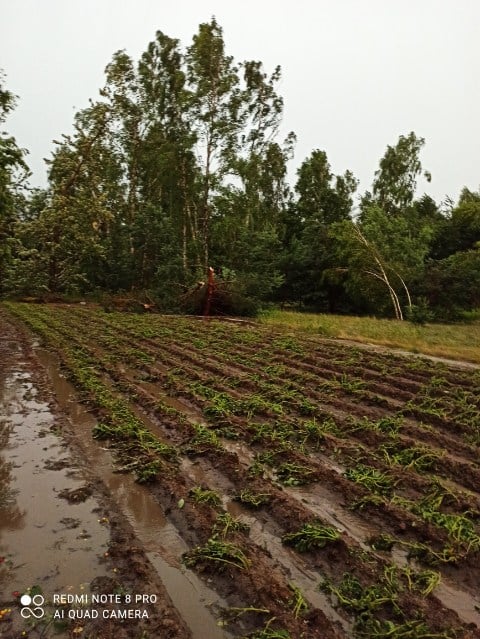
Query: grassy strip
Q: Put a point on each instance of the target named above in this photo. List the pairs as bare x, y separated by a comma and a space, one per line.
453, 341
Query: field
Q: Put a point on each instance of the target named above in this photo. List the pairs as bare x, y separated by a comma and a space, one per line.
318, 490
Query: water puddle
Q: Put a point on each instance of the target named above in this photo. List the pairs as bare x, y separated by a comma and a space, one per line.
466, 606
164, 546
293, 566
323, 503
44, 539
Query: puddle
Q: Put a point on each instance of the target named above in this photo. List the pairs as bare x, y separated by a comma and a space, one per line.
293, 566
324, 504
44, 540
466, 606
163, 544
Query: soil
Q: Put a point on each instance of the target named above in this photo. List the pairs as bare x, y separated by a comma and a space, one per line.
239, 405
61, 530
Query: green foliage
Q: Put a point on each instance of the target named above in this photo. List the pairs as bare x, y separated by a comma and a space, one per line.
205, 496
269, 633
178, 167
291, 474
376, 608
203, 440
452, 285
226, 524
372, 479
311, 252
311, 536
13, 173
396, 179
252, 499
418, 458
298, 603
216, 554
420, 312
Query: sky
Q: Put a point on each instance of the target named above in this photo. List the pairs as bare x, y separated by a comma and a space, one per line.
356, 74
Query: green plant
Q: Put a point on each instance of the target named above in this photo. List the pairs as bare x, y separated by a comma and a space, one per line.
226, 524
425, 581
381, 542
363, 600
315, 431
414, 629
389, 425
291, 474
371, 478
269, 633
297, 602
218, 554
252, 499
420, 312
202, 441
376, 607
205, 496
311, 536
418, 458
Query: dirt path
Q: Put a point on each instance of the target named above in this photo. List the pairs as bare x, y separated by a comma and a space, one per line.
378, 348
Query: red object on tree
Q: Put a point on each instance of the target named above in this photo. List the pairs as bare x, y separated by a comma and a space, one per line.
210, 290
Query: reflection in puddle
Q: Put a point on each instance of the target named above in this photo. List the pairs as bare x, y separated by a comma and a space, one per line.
30, 510
161, 540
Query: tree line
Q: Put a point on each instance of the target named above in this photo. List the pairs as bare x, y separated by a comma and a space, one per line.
178, 166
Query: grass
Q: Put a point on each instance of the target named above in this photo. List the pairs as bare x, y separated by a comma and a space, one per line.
452, 341
372, 479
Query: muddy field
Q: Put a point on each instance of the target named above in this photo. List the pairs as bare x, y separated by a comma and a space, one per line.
216, 479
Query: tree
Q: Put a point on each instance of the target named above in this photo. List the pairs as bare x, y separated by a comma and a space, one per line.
13, 175
75, 227
460, 230
396, 179
322, 200
452, 285
213, 115
391, 250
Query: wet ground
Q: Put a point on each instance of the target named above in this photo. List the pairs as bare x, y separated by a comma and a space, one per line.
64, 530
72, 525
50, 529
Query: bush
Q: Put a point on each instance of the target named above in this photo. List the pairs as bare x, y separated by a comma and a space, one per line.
420, 313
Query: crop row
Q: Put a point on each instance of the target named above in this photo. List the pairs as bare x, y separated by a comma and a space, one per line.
383, 471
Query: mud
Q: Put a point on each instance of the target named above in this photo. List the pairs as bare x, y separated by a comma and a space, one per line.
56, 546
161, 541
36, 540
175, 379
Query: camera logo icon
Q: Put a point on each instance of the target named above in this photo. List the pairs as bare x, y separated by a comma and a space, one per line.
32, 606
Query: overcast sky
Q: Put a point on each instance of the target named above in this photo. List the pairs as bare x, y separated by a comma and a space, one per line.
356, 73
